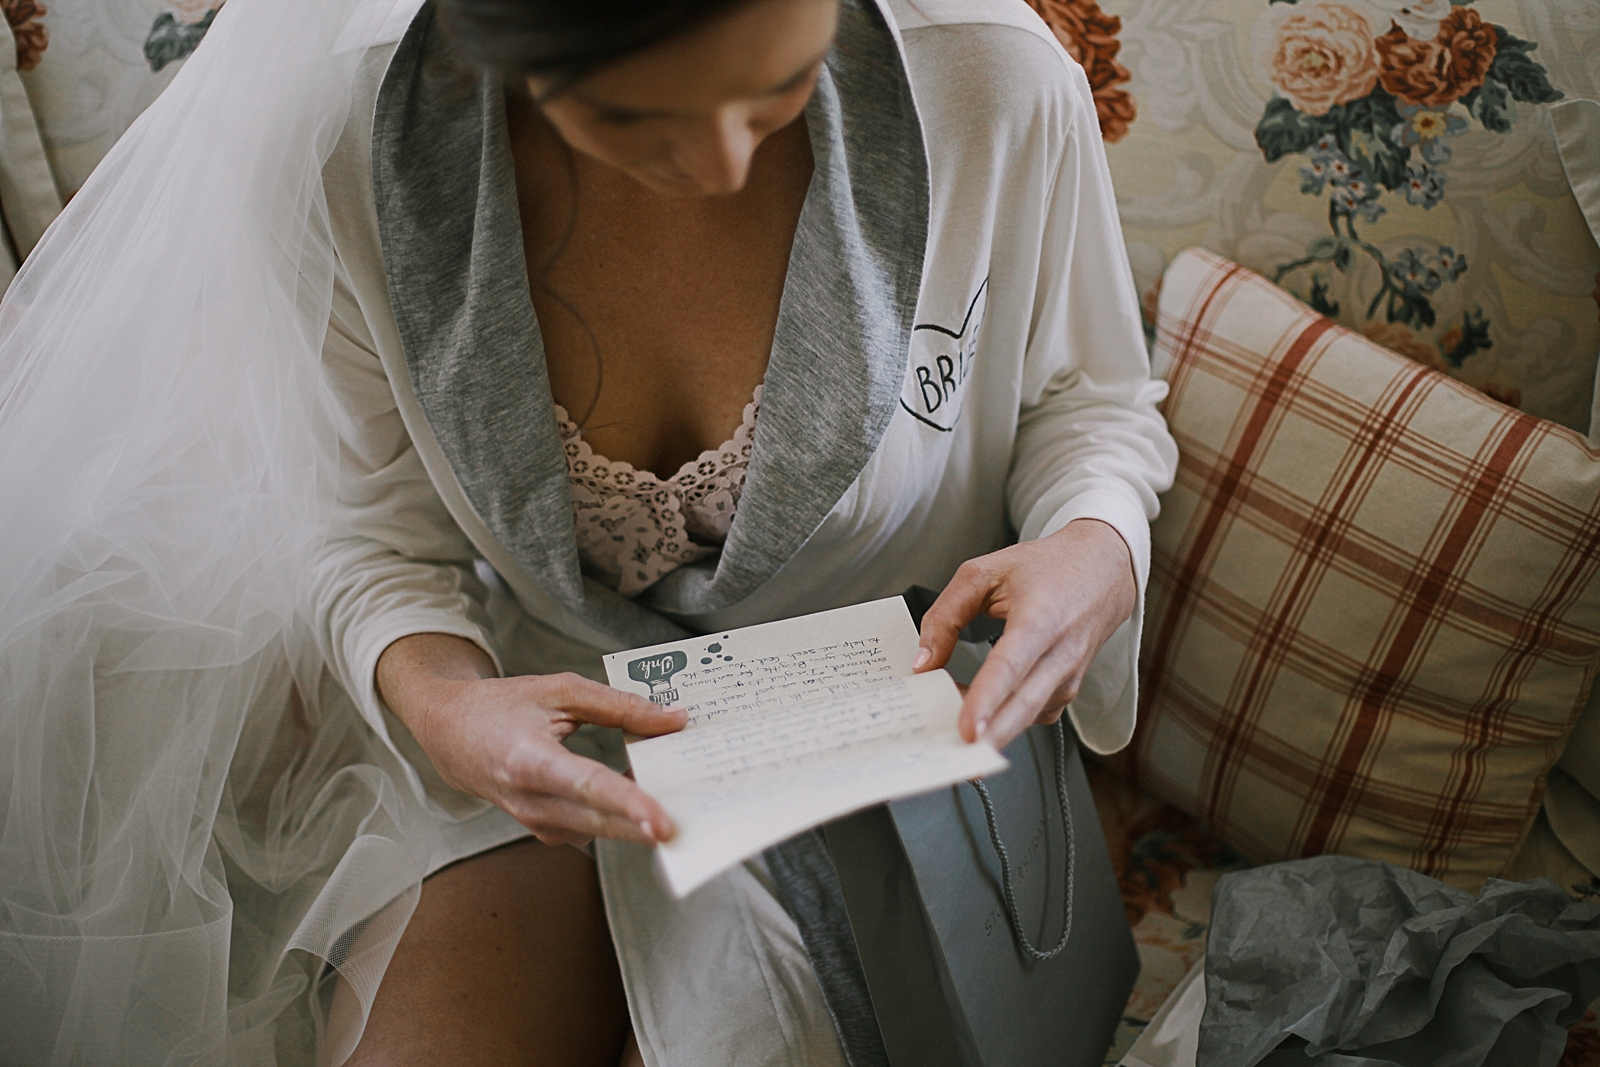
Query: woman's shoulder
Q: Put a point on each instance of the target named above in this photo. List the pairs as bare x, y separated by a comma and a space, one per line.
915, 14
993, 61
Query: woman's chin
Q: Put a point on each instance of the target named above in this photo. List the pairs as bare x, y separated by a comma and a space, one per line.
678, 186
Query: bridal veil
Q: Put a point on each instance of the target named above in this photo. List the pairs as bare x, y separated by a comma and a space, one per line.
196, 829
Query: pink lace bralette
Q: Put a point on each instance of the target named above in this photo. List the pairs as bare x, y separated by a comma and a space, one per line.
634, 527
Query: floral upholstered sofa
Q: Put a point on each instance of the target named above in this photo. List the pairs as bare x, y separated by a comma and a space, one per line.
1398, 167
1268, 131
1415, 171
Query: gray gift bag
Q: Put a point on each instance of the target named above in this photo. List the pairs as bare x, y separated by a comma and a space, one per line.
952, 982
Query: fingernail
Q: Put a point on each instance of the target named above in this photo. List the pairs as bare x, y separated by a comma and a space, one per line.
923, 656
649, 833
981, 729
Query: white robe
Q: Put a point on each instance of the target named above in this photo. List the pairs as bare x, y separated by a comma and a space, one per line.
1045, 415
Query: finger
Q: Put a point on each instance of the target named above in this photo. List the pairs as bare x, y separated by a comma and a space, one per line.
559, 821
967, 594
587, 700
1055, 672
595, 786
1064, 695
1010, 661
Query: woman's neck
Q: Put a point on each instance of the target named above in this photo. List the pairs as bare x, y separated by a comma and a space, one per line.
657, 313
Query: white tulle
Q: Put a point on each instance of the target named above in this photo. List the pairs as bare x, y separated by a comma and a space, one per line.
194, 822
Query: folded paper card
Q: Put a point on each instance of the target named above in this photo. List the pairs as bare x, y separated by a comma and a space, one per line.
791, 724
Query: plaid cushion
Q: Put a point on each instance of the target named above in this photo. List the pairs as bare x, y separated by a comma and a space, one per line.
1374, 615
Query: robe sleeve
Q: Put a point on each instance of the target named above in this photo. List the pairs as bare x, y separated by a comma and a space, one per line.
396, 562
1090, 442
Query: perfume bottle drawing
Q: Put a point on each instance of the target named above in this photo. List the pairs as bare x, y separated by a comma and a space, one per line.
657, 672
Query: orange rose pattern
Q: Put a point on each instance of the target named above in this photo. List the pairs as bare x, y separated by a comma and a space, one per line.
1324, 57
1439, 72
26, 19
1154, 846
1090, 36
1372, 110
1397, 338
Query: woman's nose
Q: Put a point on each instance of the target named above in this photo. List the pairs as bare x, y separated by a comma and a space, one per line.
718, 156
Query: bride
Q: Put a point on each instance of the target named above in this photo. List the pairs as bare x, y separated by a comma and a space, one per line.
400, 361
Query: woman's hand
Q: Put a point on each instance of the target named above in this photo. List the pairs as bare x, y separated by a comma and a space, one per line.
499, 739
1062, 596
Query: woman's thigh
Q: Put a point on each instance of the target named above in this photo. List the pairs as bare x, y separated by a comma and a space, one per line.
506, 961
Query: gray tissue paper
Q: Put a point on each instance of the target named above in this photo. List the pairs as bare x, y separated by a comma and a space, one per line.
1341, 962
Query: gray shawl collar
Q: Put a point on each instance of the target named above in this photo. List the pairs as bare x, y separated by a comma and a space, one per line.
452, 246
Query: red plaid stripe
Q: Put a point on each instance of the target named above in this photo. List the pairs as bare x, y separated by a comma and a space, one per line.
1374, 608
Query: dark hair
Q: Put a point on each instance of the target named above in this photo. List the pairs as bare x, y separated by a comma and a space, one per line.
566, 40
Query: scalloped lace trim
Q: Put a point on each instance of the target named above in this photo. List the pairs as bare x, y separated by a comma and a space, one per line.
634, 527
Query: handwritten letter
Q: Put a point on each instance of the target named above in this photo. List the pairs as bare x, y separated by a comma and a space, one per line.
791, 724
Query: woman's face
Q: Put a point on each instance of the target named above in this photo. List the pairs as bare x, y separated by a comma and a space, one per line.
685, 116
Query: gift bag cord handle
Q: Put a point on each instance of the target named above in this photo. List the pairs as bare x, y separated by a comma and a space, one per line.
1012, 912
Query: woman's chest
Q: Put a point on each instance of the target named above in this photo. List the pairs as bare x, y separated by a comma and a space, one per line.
655, 345
657, 316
